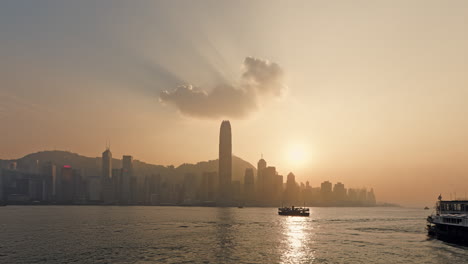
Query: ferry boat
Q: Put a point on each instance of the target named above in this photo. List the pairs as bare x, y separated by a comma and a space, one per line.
294, 211
450, 221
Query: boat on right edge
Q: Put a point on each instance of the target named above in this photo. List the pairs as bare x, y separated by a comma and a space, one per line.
450, 221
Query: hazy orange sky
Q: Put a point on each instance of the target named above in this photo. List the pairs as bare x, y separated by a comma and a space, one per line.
373, 93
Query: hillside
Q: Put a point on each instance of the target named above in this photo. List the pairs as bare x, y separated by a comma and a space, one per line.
92, 166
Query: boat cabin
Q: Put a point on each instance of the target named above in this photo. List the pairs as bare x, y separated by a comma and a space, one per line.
452, 207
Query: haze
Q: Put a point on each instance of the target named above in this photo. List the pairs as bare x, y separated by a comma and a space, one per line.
373, 93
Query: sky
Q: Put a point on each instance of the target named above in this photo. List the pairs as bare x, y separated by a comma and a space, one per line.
369, 93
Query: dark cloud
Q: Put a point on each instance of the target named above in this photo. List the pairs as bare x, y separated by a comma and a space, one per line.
261, 81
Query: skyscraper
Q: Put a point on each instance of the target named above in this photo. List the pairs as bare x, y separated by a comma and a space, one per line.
261, 166
125, 183
249, 185
225, 162
66, 190
106, 164
49, 174
106, 184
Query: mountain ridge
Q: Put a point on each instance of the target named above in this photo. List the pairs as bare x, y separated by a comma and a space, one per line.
91, 166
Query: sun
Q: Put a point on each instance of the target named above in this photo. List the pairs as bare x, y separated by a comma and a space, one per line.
297, 155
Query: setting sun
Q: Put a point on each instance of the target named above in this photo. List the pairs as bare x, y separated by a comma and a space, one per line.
297, 155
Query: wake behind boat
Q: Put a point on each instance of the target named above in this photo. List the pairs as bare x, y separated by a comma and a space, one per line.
294, 211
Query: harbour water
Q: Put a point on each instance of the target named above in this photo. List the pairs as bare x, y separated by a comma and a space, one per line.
119, 234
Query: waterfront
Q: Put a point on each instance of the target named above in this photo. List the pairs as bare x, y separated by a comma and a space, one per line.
113, 234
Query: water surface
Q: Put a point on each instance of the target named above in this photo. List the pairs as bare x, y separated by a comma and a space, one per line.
113, 234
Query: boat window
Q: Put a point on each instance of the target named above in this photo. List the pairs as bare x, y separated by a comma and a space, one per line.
451, 220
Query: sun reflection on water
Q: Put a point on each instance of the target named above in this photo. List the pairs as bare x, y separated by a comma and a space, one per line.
298, 238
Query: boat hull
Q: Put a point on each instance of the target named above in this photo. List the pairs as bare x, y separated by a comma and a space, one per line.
449, 233
293, 214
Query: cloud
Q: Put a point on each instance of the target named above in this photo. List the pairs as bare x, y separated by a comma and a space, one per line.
260, 81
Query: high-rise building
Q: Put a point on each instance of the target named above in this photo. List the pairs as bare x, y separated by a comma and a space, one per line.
371, 197
270, 186
292, 191
208, 187
126, 180
12, 165
189, 188
66, 188
49, 176
153, 189
94, 189
261, 166
339, 192
225, 163
106, 164
79, 188
326, 191
107, 183
249, 185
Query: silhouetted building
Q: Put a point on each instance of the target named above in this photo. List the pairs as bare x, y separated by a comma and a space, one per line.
126, 180
49, 178
292, 190
270, 186
107, 164
94, 189
65, 191
153, 189
339, 193
79, 187
371, 197
261, 166
249, 185
208, 187
326, 191
12, 165
225, 163
189, 189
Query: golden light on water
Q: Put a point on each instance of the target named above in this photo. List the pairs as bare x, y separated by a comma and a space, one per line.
297, 239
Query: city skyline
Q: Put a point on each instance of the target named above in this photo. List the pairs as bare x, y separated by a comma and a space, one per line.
37, 182
372, 96
249, 131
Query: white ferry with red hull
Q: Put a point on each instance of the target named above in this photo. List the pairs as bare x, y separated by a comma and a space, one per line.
450, 221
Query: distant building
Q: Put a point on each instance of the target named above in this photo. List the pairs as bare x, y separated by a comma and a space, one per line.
208, 187
49, 181
326, 191
66, 188
107, 164
261, 166
236, 191
225, 163
270, 182
153, 189
126, 180
12, 165
371, 197
339, 193
79, 187
94, 189
189, 189
292, 190
249, 185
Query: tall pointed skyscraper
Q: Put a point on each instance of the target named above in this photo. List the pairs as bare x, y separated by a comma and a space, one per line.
225, 163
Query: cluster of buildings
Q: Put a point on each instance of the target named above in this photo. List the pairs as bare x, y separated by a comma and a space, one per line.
48, 184
45, 183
